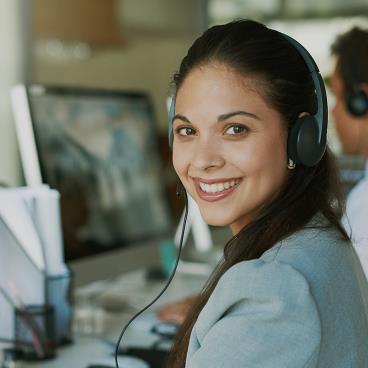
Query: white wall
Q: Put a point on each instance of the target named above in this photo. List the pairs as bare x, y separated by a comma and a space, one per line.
144, 63
156, 35
170, 16
13, 62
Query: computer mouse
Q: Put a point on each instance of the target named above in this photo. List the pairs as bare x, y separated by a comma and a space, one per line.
124, 362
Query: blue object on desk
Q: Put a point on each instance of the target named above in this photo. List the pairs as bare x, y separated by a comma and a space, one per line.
168, 256
166, 329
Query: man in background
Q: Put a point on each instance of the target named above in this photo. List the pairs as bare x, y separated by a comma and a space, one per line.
349, 83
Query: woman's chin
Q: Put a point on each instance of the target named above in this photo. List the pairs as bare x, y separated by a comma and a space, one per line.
215, 221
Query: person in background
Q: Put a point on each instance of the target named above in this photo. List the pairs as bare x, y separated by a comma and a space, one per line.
349, 84
290, 290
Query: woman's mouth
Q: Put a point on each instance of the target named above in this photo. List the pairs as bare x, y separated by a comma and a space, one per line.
215, 189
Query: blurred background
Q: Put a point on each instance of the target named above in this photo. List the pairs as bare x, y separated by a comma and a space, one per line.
96, 79
130, 45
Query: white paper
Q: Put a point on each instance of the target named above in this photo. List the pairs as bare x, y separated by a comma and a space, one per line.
47, 217
42, 205
15, 215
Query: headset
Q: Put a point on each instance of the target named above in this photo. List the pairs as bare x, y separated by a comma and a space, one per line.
307, 136
357, 102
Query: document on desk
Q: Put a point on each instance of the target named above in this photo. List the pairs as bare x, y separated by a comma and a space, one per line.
22, 267
44, 205
18, 221
40, 205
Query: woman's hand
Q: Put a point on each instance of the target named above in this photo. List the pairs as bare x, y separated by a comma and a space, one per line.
176, 312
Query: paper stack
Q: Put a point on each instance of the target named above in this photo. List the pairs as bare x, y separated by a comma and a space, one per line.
32, 268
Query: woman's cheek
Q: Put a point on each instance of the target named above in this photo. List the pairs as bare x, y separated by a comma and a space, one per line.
178, 162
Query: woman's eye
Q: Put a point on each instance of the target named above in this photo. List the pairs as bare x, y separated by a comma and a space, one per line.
236, 129
185, 131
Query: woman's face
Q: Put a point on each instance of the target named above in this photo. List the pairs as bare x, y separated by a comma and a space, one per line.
229, 147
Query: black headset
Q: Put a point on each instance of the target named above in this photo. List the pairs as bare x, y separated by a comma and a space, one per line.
357, 102
307, 136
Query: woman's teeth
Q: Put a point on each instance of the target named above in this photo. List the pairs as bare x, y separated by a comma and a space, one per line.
216, 188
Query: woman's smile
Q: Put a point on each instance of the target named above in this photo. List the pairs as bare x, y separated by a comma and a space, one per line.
211, 190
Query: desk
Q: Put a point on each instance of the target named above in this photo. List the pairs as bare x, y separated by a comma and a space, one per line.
87, 349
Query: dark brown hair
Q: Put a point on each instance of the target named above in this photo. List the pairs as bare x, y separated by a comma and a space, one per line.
252, 49
351, 50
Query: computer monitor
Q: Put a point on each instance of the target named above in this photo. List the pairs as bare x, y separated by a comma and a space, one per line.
100, 150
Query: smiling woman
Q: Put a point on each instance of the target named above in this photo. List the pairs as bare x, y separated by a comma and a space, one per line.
249, 145
232, 139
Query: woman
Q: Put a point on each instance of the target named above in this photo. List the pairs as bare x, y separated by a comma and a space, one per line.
290, 291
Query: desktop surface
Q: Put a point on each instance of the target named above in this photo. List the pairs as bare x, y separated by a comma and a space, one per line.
97, 329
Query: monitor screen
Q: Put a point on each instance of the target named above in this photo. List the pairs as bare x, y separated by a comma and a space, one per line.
100, 150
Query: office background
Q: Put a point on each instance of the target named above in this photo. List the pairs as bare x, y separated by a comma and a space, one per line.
136, 45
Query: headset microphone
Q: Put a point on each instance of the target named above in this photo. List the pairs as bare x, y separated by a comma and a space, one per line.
179, 189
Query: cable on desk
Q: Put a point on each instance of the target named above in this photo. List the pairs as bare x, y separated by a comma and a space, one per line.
182, 191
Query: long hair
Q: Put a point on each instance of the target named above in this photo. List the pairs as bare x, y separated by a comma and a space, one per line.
251, 49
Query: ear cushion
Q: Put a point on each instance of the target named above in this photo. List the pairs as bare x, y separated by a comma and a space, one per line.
357, 103
303, 147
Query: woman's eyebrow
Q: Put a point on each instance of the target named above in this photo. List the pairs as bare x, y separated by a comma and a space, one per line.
221, 117
181, 117
234, 113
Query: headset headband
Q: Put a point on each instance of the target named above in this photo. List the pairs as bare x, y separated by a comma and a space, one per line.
321, 114
307, 136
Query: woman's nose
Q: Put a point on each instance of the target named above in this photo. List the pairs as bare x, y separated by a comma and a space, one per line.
207, 155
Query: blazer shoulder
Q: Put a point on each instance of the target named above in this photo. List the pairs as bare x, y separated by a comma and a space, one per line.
270, 290
309, 242
254, 280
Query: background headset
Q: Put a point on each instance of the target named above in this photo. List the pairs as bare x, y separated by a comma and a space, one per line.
357, 102
307, 136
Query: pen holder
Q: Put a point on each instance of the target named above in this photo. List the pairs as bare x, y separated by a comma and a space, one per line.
34, 332
58, 294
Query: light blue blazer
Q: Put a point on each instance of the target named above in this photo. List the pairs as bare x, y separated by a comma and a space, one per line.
303, 304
